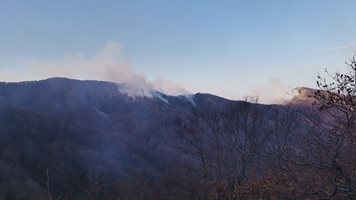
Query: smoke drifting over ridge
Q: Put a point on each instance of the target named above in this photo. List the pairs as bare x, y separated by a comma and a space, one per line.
106, 65
275, 92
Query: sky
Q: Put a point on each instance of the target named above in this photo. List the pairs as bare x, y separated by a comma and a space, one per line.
229, 48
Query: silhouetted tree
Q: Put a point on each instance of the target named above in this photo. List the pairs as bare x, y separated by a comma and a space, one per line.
328, 148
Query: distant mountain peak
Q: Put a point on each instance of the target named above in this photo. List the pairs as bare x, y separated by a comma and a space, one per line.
305, 93
302, 96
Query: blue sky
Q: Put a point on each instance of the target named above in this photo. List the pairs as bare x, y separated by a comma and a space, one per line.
230, 48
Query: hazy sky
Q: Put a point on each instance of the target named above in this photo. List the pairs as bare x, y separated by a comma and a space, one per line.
230, 48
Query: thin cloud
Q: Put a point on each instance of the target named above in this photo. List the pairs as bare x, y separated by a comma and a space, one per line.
160, 42
340, 47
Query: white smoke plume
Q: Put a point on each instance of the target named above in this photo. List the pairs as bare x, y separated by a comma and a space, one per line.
108, 65
274, 93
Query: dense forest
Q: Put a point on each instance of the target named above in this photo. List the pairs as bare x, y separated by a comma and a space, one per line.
69, 139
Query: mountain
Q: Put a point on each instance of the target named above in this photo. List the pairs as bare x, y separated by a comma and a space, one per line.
69, 139
69, 126
304, 97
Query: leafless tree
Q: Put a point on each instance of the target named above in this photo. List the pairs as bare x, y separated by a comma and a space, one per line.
225, 145
328, 147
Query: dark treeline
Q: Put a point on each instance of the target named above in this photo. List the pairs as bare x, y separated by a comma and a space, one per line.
237, 150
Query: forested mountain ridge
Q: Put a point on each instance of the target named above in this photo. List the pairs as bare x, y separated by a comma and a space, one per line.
72, 127
68, 139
